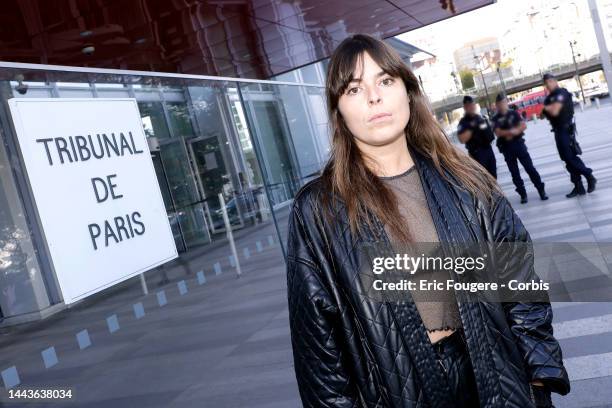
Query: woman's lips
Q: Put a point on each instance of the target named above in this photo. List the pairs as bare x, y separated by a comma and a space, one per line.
379, 116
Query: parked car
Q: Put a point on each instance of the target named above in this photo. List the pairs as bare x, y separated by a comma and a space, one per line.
249, 208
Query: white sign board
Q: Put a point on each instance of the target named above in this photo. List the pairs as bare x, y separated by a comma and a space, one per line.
95, 189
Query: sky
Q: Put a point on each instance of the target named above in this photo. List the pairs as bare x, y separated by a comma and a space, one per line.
493, 20
456, 31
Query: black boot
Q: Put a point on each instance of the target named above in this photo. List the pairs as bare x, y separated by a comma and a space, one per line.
524, 198
542, 194
578, 190
591, 182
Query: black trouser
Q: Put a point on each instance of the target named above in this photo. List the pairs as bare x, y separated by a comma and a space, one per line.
573, 163
486, 158
516, 151
454, 358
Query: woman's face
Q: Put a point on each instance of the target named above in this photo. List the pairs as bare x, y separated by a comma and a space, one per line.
375, 105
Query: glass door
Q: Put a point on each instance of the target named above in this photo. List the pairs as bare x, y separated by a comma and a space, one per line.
168, 201
182, 185
213, 178
276, 148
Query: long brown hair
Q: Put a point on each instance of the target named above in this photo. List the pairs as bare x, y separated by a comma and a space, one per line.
346, 175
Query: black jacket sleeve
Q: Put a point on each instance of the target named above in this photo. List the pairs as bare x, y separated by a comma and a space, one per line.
318, 354
530, 322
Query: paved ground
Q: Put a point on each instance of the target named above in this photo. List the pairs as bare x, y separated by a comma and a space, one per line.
225, 343
584, 329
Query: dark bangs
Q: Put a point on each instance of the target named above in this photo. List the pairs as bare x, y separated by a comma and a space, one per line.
349, 55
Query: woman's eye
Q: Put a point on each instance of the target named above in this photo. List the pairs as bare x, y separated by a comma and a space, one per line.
387, 81
352, 91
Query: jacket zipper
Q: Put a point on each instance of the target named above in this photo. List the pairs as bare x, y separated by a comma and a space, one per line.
443, 366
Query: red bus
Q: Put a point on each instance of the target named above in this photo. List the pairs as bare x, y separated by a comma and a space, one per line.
530, 104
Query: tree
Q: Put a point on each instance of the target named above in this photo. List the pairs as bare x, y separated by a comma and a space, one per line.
467, 79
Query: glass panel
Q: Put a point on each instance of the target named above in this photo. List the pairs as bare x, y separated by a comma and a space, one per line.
310, 74
168, 201
213, 178
184, 192
110, 93
72, 85
153, 119
253, 172
319, 120
180, 122
203, 144
217, 160
22, 289
111, 85
285, 120
275, 146
75, 93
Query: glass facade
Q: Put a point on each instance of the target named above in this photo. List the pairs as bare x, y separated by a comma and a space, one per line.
207, 137
22, 289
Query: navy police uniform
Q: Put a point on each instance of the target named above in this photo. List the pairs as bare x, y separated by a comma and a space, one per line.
565, 138
515, 150
479, 145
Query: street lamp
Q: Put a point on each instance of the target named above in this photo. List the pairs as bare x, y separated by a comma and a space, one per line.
539, 59
501, 79
455, 79
484, 83
572, 43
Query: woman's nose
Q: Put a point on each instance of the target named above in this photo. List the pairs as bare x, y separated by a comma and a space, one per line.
374, 97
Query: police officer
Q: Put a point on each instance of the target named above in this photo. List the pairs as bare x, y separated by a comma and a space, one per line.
474, 131
509, 128
559, 110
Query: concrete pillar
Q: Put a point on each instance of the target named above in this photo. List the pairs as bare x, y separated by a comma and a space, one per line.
604, 55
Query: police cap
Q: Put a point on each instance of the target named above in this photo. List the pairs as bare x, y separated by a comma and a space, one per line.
468, 99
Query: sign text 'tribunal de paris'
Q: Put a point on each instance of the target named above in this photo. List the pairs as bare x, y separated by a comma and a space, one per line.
95, 188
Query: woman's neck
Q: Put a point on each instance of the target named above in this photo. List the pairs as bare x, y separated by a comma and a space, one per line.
389, 160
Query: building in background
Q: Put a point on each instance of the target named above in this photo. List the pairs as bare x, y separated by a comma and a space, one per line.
483, 58
486, 49
538, 38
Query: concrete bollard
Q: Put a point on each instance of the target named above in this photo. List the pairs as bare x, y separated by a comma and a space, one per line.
581, 106
597, 102
534, 117
143, 285
264, 210
230, 236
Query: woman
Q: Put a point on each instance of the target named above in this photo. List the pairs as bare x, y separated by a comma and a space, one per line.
394, 176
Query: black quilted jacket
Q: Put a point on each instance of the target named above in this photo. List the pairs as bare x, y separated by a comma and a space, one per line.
353, 352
